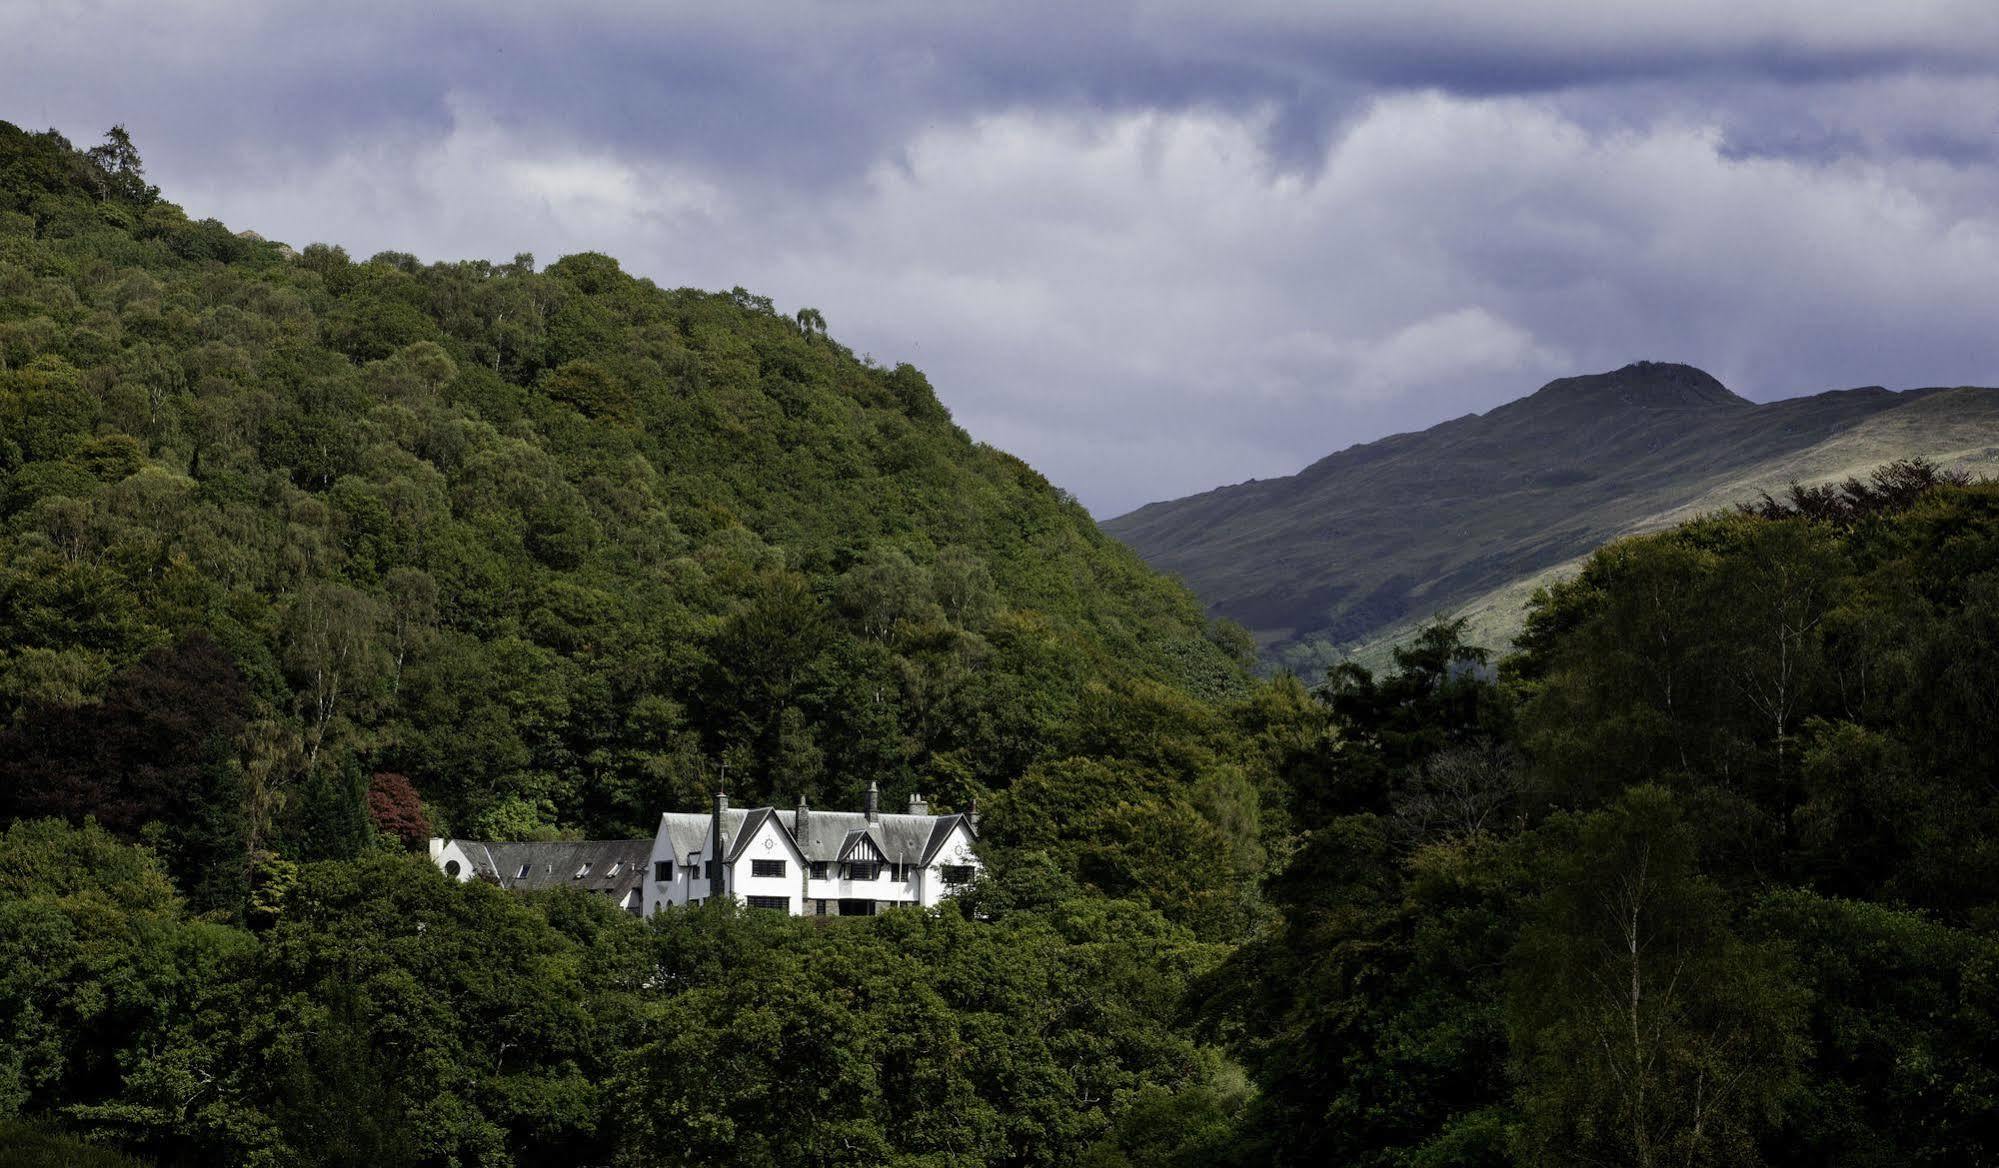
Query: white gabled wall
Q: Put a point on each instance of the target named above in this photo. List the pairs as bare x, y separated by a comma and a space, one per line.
771, 842
659, 895
957, 849
450, 853
925, 887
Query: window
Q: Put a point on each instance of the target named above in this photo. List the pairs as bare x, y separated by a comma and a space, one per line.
899, 871
451, 868
819, 868
957, 873
662, 870
614, 869
857, 908
583, 871
766, 867
708, 870
863, 870
779, 903
523, 873
821, 910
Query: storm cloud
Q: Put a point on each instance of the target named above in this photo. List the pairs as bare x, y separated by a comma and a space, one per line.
1150, 248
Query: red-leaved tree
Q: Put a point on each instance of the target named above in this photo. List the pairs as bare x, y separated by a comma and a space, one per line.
395, 808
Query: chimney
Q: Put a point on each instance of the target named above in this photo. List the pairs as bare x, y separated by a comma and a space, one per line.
436, 848
874, 802
719, 877
798, 825
917, 805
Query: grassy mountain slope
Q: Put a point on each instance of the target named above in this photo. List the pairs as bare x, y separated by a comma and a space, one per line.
557, 543
1469, 515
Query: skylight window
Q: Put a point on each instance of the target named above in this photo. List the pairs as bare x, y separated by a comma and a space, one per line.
523, 873
583, 871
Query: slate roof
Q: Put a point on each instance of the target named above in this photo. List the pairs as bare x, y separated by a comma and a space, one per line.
617, 867
687, 831
828, 836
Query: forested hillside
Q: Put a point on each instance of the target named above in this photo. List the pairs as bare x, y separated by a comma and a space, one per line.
302, 559
557, 545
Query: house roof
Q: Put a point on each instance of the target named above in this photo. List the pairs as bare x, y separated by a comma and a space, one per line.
616, 867
687, 831
823, 836
745, 831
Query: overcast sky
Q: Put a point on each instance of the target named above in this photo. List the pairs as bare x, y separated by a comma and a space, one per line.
1151, 248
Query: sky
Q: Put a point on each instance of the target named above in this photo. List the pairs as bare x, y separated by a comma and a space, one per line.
1152, 248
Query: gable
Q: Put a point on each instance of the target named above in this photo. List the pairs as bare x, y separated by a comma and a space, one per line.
952, 846
764, 837
861, 846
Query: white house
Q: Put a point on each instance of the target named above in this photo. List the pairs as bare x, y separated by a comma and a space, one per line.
811, 863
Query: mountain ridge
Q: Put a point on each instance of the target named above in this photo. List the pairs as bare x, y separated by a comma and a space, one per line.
1356, 545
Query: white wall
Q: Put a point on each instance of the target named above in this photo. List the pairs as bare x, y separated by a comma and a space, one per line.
449, 854
659, 895
956, 850
771, 842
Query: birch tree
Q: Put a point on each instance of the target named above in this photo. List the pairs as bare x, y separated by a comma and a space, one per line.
1645, 1032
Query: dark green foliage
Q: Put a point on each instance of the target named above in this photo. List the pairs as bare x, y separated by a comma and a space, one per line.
395, 1017
1704, 876
25, 1145
157, 754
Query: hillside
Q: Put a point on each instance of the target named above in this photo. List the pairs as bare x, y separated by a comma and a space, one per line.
554, 542
299, 553
1470, 515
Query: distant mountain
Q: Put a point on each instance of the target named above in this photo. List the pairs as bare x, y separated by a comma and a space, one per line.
1469, 515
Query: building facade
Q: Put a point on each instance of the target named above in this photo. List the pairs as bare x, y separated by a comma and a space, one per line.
800, 861
811, 863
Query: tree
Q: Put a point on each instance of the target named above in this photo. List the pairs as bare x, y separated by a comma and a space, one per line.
1645, 1030
332, 650
157, 754
124, 175
396, 809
